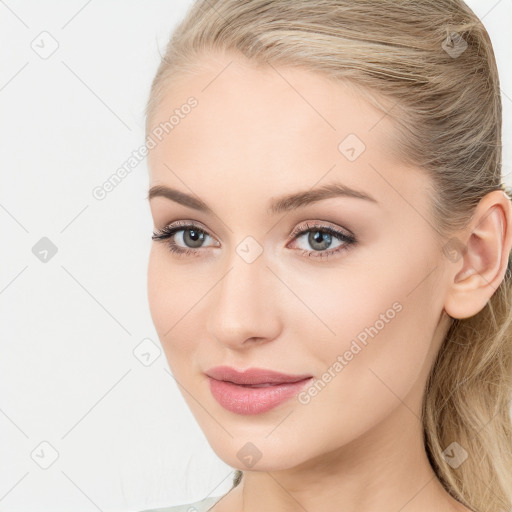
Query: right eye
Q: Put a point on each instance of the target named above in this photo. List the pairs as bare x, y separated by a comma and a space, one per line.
192, 238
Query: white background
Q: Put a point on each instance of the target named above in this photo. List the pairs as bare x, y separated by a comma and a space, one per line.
68, 376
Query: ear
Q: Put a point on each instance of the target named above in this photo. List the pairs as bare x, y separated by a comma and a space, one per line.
483, 248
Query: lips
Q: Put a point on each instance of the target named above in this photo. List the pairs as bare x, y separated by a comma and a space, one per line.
254, 390
259, 377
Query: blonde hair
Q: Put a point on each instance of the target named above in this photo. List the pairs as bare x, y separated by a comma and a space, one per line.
430, 66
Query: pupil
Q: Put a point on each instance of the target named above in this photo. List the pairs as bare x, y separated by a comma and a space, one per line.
194, 236
318, 237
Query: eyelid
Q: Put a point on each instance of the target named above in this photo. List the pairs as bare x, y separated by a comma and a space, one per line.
186, 224
320, 225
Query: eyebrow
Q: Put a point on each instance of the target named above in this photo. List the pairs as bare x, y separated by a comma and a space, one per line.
277, 205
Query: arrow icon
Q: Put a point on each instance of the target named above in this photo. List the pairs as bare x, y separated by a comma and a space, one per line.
44, 455
249, 454
249, 252
44, 250
454, 45
351, 147
147, 352
450, 454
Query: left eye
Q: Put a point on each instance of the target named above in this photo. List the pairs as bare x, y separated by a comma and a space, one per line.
319, 237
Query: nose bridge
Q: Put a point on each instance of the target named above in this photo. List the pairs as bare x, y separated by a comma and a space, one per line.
243, 304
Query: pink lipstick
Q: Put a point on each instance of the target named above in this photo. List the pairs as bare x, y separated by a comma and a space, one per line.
253, 391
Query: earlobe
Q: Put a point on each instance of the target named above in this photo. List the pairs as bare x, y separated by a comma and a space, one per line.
485, 248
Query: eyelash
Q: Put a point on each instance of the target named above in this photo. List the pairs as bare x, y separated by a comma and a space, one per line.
167, 232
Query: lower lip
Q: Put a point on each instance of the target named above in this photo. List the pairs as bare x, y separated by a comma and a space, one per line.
249, 400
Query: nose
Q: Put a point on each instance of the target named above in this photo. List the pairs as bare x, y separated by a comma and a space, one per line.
245, 305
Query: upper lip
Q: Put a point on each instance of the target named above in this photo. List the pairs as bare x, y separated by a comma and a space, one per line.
252, 375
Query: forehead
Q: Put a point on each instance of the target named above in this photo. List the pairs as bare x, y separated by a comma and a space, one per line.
271, 129
275, 103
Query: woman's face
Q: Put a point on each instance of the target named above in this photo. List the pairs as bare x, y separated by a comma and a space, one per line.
360, 314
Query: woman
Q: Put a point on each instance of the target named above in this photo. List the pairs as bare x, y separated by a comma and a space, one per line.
330, 276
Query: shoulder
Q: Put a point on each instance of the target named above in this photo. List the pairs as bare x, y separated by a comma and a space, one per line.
198, 506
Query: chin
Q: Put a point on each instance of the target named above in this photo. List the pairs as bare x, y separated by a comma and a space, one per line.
257, 452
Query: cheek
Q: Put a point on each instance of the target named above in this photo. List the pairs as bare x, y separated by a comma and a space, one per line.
363, 382
158, 292
167, 294
383, 322
175, 299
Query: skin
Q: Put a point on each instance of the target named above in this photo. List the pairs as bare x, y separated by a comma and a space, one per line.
357, 445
